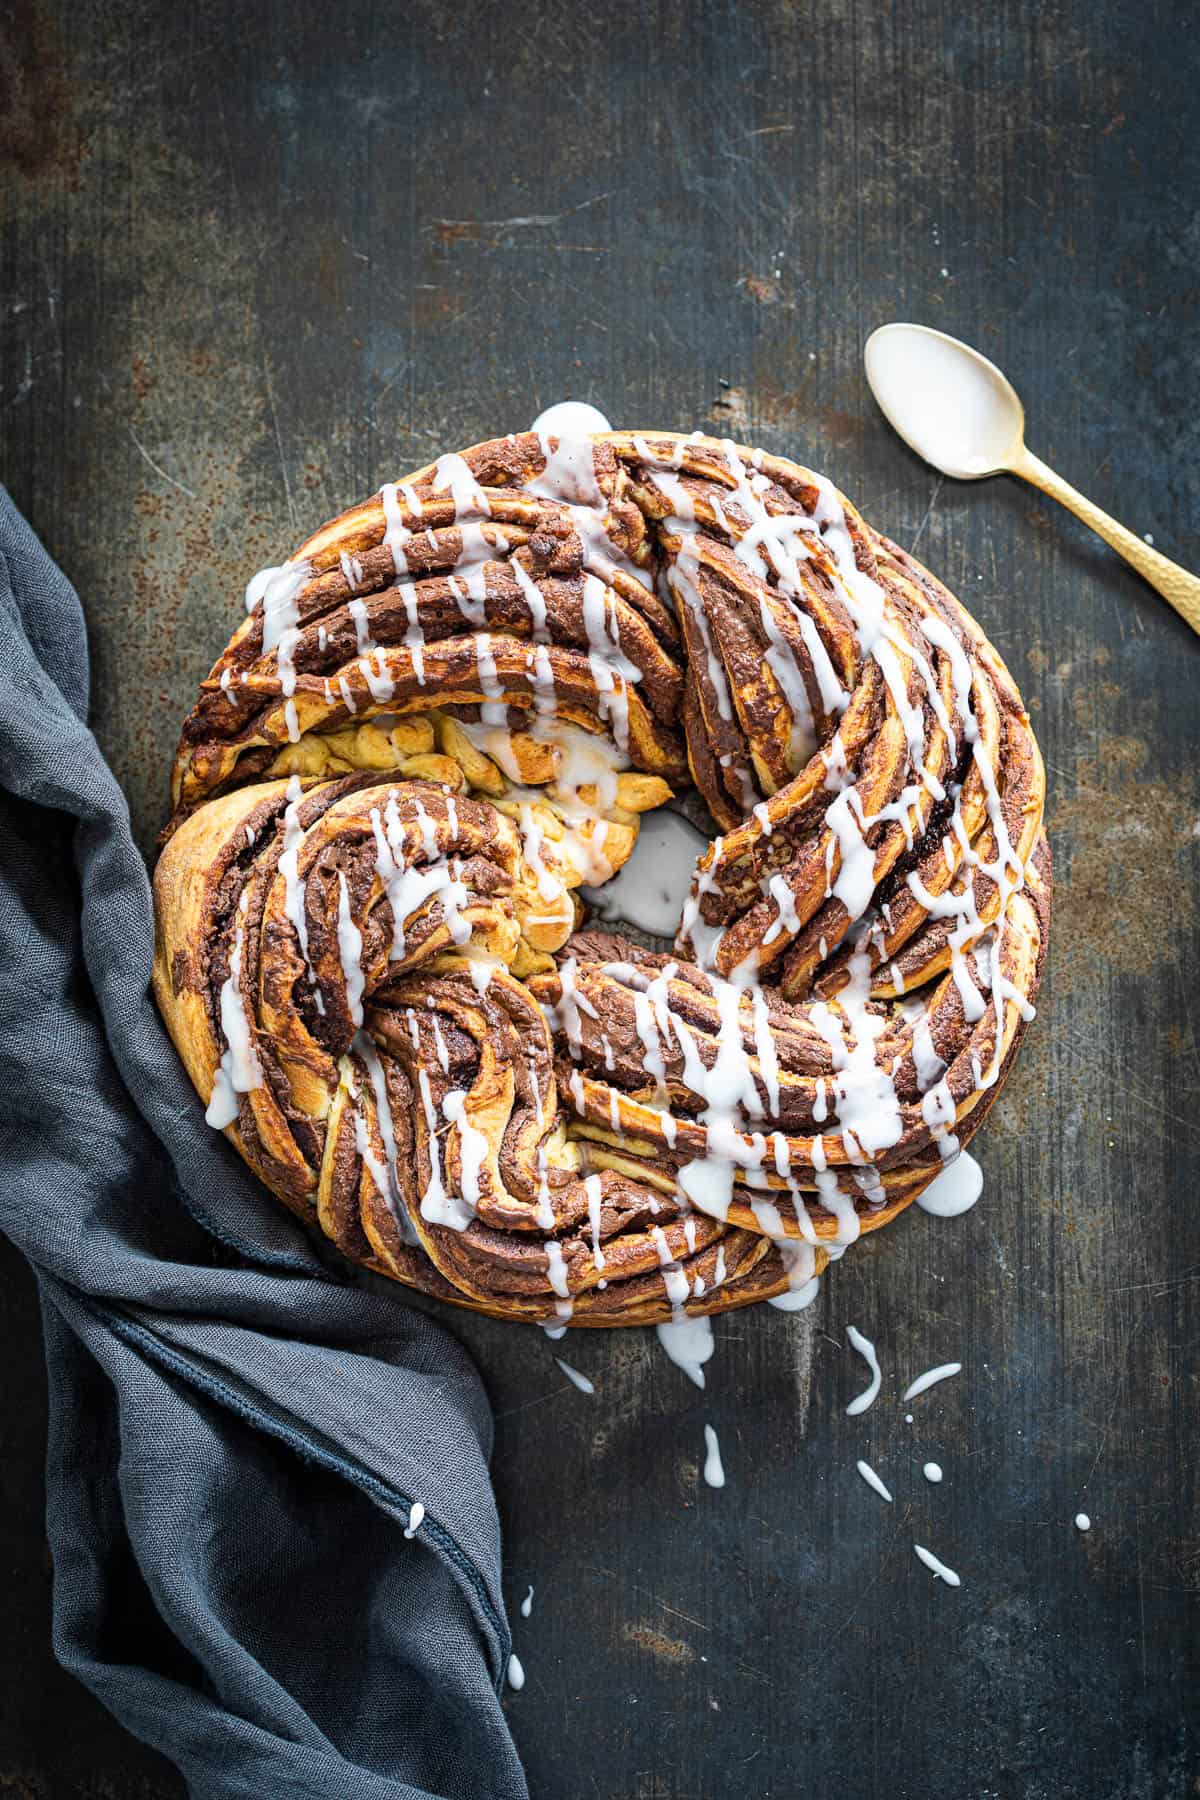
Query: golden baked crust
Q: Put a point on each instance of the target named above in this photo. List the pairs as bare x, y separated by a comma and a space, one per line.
442, 717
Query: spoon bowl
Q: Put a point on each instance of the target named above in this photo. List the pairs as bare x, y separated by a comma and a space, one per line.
962, 415
949, 404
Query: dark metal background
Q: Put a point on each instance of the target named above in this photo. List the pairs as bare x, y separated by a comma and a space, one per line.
255, 259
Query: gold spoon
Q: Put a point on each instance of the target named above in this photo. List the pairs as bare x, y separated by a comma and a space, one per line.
955, 409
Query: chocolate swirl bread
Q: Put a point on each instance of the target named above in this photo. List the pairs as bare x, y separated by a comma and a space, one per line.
442, 719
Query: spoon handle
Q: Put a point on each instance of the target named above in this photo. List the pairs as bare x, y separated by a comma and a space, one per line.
1177, 587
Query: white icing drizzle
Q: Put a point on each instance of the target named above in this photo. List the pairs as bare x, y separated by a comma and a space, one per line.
873, 1481
409, 888
570, 418
481, 968
293, 886
688, 1341
800, 1262
556, 1268
863, 1094
932, 1472
929, 1065
866, 1350
238, 1071
955, 1190
493, 711
593, 1190
1082, 1522
772, 544
938, 1567
454, 472
545, 1206
650, 890
278, 592
437, 1206
439, 1044
349, 939
396, 534
362, 627
415, 1519
682, 578
575, 1378
929, 1379
473, 1146
537, 612
386, 1179
570, 472
527, 1604
674, 1279
414, 636
515, 1673
714, 1471
612, 671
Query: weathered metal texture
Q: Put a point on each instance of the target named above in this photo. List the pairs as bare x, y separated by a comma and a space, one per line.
252, 264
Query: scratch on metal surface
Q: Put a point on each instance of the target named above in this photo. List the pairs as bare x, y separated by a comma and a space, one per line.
1122, 1377
901, 1526
933, 500
498, 224
157, 467
287, 486
540, 1400
526, 219
637, 1588
1161, 1286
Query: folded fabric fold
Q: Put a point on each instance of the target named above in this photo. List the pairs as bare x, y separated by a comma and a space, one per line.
238, 1434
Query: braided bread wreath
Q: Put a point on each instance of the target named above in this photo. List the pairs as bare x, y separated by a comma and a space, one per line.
442, 717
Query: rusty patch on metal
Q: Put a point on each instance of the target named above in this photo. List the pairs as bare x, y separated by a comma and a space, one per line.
766, 289
1119, 844
659, 1645
732, 411
33, 95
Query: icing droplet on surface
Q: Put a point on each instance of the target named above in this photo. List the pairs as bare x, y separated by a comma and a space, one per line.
516, 1674
689, 1343
939, 1568
932, 1472
1082, 1522
955, 1190
527, 1604
866, 1350
415, 1517
580, 1381
570, 418
873, 1481
714, 1472
929, 1379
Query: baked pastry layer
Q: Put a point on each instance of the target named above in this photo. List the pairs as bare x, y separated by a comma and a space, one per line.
446, 714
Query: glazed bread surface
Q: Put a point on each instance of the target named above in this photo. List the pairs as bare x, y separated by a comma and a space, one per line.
439, 726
